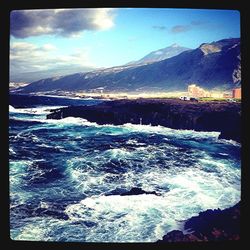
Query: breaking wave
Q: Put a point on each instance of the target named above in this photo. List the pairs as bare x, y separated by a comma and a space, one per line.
36, 110
68, 178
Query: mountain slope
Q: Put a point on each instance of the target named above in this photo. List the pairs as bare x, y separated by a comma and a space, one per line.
213, 65
160, 54
37, 75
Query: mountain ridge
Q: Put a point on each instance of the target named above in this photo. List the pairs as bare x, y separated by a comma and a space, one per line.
211, 65
160, 54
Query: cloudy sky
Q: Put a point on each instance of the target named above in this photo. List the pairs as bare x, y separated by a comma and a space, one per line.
61, 41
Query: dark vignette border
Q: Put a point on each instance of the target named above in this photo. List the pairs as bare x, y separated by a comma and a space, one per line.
8, 5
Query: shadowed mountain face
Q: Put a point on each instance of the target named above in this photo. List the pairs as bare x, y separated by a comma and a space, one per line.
213, 66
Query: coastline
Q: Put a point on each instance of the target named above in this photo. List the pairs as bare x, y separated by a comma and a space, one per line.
148, 105
210, 225
223, 117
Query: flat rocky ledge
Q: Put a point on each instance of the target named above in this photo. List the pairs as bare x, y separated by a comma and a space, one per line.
211, 225
223, 117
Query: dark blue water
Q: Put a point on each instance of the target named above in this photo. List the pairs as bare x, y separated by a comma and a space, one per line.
66, 176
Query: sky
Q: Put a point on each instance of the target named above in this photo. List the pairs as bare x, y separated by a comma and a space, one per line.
60, 41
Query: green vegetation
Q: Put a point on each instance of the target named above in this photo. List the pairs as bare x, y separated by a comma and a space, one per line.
212, 99
218, 99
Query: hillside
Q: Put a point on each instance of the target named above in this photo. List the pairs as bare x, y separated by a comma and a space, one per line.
161, 54
213, 65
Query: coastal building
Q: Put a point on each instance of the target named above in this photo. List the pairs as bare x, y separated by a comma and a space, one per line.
227, 95
218, 94
196, 91
237, 93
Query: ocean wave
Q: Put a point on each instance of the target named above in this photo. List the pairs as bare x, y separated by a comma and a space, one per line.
184, 192
155, 168
11, 151
146, 217
73, 98
140, 218
229, 142
11, 109
129, 127
164, 130
189, 170
68, 120
37, 110
135, 127
61, 96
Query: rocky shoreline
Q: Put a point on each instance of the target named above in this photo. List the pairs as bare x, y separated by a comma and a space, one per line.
223, 117
211, 225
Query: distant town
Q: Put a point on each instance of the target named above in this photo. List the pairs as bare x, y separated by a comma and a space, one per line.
193, 91
198, 92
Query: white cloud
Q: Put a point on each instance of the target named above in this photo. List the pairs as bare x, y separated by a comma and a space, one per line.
62, 22
48, 47
27, 57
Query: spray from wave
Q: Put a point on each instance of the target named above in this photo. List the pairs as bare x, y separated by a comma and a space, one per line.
68, 178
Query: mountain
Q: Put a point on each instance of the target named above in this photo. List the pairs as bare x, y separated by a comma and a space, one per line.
213, 65
29, 77
161, 54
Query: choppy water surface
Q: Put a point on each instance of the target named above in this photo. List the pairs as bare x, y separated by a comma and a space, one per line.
66, 177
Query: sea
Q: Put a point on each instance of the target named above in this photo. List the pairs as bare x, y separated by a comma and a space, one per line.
67, 176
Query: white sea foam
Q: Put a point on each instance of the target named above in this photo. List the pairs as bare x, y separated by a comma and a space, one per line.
11, 151
67, 120
184, 192
165, 130
230, 142
223, 154
17, 171
49, 229
30, 233
185, 188
71, 120
117, 153
129, 127
36, 110
147, 217
129, 218
61, 96
36, 229
72, 97
135, 127
11, 108
135, 142
137, 218
27, 135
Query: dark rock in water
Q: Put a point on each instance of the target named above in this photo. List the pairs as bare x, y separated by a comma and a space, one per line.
116, 191
52, 213
177, 236
230, 135
223, 117
217, 224
211, 225
137, 191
